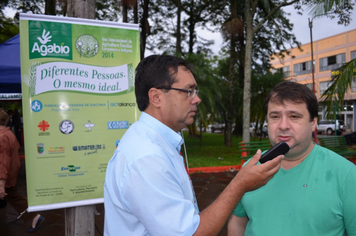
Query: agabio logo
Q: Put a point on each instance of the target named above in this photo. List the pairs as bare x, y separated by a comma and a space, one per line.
50, 39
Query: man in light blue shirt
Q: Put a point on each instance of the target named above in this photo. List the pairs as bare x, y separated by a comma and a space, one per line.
147, 189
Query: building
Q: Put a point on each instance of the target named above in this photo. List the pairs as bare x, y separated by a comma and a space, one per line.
329, 54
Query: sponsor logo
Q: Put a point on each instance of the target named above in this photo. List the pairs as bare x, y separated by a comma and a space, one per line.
43, 125
70, 168
89, 126
56, 150
118, 124
47, 39
36, 106
88, 147
66, 127
87, 45
40, 148
122, 104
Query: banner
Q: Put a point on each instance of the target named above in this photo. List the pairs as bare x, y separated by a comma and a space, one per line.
10, 96
78, 100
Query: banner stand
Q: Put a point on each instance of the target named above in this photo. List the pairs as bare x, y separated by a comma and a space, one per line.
77, 83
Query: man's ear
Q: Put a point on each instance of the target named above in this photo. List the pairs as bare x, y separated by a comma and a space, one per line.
154, 96
314, 123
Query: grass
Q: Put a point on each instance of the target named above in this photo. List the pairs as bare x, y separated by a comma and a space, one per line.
213, 152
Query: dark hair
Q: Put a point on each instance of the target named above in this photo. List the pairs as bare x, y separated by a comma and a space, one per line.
3, 116
155, 71
293, 92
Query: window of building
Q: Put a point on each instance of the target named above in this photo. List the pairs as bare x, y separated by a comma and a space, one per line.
324, 86
285, 70
353, 84
348, 106
320, 109
310, 86
353, 55
332, 62
302, 68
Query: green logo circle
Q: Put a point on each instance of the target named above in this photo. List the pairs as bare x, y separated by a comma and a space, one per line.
87, 46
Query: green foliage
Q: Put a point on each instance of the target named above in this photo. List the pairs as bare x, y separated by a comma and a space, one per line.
262, 84
107, 10
208, 84
11, 105
8, 29
341, 80
332, 9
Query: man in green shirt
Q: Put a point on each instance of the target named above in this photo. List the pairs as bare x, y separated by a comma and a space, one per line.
314, 191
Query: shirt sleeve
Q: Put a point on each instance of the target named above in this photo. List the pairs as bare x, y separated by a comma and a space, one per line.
349, 195
153, 191
239, 210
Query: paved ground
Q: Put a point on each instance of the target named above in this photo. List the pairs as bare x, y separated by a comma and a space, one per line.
207, 187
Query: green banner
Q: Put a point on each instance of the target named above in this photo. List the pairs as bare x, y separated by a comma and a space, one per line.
78, 100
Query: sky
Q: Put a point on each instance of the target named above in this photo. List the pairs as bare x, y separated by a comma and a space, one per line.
322, 28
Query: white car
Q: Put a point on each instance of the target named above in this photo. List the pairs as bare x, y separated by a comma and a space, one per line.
328, 126
253, 129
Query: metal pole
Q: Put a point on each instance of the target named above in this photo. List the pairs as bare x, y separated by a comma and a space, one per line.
312, 61
335, 119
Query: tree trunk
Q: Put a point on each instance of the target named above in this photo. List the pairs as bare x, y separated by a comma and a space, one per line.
81, 8
145, 28
191, 27
247, 73
228, 128
178, 42
50, 7
80, 220
124, 12
136, 13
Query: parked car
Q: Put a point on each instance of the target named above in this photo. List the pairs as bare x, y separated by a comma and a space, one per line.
254, 129
328, 127
219, 127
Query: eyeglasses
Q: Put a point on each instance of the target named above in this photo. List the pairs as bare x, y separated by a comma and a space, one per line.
191, 92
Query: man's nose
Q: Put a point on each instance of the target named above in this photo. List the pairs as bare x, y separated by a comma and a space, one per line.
196, 100
284, 123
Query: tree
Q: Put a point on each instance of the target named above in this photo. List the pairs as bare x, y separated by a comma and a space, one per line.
232, 31
50, 7
145, 27
341, 78
270, 8
178, 35
164, 27
341, 81
81, 8
8, 29
265, 43
210, 92
107, 10
267, 10
262, 84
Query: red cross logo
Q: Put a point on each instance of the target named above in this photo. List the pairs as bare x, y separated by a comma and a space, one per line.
43, 125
